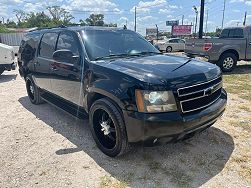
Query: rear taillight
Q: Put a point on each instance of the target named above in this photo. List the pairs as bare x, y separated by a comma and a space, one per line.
207, 46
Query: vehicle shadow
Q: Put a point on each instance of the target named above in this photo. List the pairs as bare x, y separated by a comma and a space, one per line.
7, 78
189, 163
240, 69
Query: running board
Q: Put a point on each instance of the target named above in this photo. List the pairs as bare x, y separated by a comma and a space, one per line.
72, 109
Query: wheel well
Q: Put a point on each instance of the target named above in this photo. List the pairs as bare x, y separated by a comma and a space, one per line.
93, 98
96, 96
232, 52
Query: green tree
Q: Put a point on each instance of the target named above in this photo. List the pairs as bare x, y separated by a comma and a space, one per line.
39, 19
20, 15
60, 15
95, 20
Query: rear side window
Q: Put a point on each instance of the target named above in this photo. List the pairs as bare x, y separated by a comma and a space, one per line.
174, 41
47, 46
232, 33
224, 33
236, 33
67, 41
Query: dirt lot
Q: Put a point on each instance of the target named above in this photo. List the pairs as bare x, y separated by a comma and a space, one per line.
41, 146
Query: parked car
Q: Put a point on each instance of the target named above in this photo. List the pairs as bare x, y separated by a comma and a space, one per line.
7, 58
234, 44
131, 92
171, 45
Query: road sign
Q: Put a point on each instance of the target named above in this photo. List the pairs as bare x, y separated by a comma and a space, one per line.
172, 22
151, 31
181, 30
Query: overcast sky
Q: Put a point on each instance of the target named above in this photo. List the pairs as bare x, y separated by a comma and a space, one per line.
150, 12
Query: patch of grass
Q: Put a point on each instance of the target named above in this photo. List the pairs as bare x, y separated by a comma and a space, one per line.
242, 123
238, 84
107, 182
154, 166
245, 108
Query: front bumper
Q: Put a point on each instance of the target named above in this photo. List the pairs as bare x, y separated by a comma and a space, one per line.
164, 127
8, 67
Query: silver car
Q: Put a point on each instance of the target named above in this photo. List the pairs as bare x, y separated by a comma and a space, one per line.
171, 45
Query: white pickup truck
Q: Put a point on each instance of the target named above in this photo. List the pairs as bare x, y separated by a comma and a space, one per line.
7, 58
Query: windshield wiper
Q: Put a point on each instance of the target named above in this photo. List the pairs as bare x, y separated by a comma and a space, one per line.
147, 53
126, 55
112, 55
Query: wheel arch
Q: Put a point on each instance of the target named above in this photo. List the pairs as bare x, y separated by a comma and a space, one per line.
97, 94
232, 51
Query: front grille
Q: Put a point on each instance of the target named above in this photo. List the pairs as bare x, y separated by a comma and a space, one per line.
199, 96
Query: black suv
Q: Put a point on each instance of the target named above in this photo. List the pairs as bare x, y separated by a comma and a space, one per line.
131, 91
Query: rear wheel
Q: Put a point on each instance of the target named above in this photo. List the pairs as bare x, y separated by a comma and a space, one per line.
1, 71
169, 49
108, 128
34, 93
227, 62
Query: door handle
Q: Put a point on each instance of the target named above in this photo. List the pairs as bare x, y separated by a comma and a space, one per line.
249, 43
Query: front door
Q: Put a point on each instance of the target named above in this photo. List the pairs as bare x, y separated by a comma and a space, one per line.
42, 63
66, 79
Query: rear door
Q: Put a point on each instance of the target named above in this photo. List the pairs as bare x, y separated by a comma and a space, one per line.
43, 62
66, 81
174, 44
181, 44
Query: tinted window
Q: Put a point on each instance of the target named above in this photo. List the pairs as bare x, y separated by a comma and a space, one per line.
236, 33
173, 41
224, 33
102, 43
67, 41
47, 46
181, 41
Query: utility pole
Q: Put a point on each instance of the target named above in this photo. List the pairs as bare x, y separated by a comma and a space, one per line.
206, 23
245, 19
135, 18
157, 31
202, 7
182, 19
223, 14
196, 19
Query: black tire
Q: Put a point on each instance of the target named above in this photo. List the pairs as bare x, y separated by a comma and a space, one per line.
227, 62
34, 93
112, 141
169, 49
1, 71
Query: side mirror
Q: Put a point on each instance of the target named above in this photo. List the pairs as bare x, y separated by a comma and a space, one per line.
65, 56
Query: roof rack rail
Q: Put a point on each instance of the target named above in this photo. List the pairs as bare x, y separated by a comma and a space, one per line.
38, 29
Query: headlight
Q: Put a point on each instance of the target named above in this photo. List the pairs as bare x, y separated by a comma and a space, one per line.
155, 101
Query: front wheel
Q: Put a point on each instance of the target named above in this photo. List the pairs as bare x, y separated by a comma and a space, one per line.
227, 62
108, 128
169, 49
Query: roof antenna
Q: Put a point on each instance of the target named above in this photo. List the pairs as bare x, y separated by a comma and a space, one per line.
125, 27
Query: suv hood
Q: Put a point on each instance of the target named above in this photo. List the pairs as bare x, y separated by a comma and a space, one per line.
159, 69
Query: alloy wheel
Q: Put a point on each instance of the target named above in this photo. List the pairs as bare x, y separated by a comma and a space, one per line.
228, 63
104, 129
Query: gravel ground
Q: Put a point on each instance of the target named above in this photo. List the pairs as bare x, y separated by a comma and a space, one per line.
41, 146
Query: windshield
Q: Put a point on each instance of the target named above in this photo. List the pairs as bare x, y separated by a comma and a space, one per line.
111, 43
